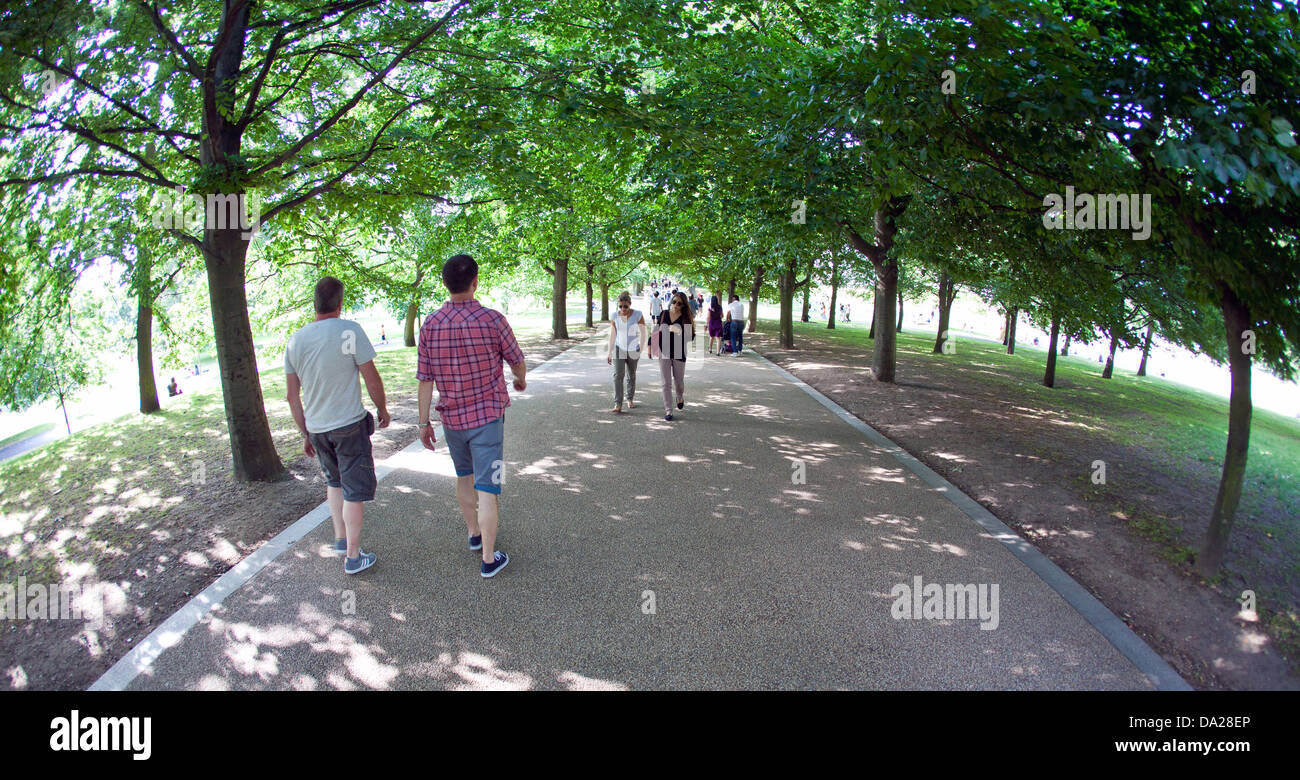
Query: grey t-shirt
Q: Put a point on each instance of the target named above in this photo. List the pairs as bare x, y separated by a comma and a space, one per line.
325, 355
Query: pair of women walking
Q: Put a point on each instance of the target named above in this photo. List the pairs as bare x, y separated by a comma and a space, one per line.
667, 342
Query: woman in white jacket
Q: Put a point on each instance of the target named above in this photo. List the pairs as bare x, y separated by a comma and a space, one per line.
626, 334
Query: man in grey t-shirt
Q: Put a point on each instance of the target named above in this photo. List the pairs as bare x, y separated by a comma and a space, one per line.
321, 363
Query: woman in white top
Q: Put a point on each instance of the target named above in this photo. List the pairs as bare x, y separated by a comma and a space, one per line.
626, 333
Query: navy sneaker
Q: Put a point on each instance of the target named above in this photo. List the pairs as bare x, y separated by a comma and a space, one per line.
341, 546
363, 561
491, 569
668, 417
476, 542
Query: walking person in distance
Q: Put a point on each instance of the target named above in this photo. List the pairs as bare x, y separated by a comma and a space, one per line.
715, 323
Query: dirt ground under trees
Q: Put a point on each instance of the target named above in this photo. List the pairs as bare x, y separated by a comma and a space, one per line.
1026, 464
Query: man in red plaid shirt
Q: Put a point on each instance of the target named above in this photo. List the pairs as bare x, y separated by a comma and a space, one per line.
462, 347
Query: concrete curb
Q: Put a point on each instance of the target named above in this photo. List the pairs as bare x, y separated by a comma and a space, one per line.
1157, 670
142, 656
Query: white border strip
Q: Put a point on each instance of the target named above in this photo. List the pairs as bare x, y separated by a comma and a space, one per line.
1157, 670
141, 657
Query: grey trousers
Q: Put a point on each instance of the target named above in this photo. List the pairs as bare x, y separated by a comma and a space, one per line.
673, 372
624, 366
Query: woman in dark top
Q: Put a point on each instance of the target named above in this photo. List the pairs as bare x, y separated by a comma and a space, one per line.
674, 329
715, 323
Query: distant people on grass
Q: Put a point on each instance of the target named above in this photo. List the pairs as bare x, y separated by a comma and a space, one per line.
715, 323
462, 347
626, 333
736, 324
674, 329
383, 337
173, 389
321, 364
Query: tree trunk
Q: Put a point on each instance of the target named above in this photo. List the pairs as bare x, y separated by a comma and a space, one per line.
884, 358
637, 287
225, 253
590, 299
753, 300
1065, 348
64, 406
253, 450
1012, 316
144, 334
1146, 349
413, 310
1049, 376
899, 327
1006, 324
408, 331
875, 309
1109, 370
835, 288
604, 302
144, 358
785, 283
807, 301
885, 353
945, 310
1237, 320
731, 290
559, 291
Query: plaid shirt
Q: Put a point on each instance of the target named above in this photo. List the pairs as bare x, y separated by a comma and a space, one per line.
462, 346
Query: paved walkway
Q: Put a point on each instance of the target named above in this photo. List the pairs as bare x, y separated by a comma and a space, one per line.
757, 581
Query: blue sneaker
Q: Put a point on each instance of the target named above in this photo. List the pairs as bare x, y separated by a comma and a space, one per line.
341, 546
476, 542
491, 569
360, 563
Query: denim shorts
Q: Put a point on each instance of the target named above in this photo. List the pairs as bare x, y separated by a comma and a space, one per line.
478, 451
346, 458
